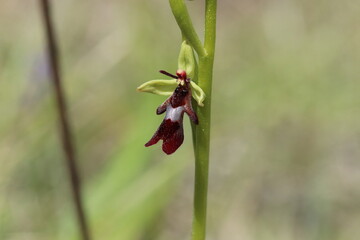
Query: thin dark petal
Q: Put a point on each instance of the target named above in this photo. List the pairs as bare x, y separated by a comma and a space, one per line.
189, 110
192, 114
168, 74
162, 108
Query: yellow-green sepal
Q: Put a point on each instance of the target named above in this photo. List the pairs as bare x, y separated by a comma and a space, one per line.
197, 93
186, 60
159, 87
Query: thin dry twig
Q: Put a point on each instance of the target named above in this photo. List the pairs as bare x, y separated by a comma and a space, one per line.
65, 130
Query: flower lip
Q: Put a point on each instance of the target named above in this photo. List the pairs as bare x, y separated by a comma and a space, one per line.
172, 134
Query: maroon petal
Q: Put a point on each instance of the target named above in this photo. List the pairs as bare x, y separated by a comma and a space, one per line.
191, 113
172, 135
154, 139
173, 142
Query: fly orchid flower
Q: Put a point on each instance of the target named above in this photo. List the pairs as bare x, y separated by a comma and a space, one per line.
171, 129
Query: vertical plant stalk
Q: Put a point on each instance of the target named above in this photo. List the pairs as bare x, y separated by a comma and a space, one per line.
66, 136
201, 132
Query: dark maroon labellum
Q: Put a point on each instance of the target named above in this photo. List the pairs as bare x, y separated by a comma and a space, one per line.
171, 129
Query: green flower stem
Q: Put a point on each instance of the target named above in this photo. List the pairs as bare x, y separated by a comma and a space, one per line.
202, 147
182, 17
210, 29
201, 132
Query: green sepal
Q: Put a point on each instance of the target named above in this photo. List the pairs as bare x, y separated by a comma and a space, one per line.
167, 87
186, 60
197, 93
159, 87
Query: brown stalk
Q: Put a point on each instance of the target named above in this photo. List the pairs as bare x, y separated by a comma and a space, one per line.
65, 129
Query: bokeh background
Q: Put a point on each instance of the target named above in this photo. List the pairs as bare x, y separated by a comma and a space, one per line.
285, 145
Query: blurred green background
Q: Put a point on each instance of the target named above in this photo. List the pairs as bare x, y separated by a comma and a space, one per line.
285, 142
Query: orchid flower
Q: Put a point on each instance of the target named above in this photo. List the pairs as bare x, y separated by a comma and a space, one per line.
171, 129
180, 90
